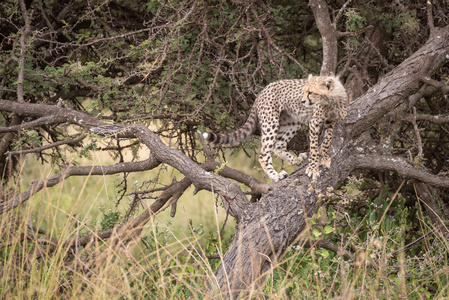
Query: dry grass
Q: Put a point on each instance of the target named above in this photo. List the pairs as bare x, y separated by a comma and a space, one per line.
163, 266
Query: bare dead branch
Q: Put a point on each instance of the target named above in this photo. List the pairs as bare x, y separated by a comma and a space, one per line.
326, 244
257, 187
48, 146
418, 135
442, 86
58, 113
199, 178
37, 185
340, 13
354, 33
7, 139
32, 236
399, 165
174, 192
45, 120
412, 244
438, 119
425, 90
131, 227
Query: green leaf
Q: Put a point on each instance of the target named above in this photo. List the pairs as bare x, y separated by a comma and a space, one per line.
323, 252
328, 229
316, 232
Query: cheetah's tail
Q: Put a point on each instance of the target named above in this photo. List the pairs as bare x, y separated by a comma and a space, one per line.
237, 136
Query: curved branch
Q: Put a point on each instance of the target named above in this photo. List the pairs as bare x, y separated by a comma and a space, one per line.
256, 186
329, 36
326, 244
160, 153
37, 185
440, 85
396, 164
437, 119
200, 178
45, 120
131, 226
48, 146
57, 113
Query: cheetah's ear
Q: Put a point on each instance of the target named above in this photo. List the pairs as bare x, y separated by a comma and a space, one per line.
329, 82
310, 77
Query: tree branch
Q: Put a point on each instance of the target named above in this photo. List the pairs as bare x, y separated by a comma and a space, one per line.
23, 51
355, 33
340, 13
440, 85
328, 34
43, 121
326, 244
257, 187
396, 164
48, 146
437, 119
58, 113
200, 179
37, 185
418, 136
396, 86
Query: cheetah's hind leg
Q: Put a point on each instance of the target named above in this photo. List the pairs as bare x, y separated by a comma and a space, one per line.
287, 130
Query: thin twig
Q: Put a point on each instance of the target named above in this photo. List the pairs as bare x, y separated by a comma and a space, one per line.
23, 51
46, 120
273, 44
52, 145
411, 245
340, 13
418, 135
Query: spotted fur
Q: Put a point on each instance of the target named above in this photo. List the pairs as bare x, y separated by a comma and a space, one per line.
279, 111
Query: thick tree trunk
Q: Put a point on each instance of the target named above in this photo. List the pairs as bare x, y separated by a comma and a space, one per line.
268, 227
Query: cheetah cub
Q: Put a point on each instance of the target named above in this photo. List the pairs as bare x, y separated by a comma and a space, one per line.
279, 111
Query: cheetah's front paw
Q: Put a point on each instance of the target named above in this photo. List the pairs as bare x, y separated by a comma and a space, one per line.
313, 171
325, 161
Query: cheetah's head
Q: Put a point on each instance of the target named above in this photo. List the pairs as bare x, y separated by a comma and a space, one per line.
323, 90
